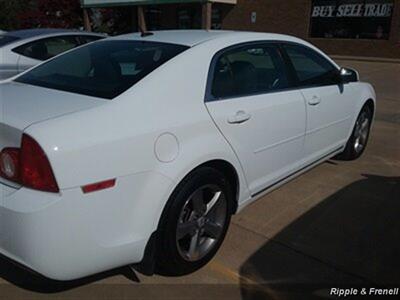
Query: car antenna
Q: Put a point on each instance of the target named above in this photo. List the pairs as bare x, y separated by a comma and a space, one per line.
144, 33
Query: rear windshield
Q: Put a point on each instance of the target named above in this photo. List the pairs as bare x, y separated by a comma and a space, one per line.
103, 69
7, 39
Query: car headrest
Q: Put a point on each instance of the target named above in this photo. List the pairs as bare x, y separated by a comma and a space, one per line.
245, 76
39, 51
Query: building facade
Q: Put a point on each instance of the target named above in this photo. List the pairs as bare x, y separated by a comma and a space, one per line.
368, 28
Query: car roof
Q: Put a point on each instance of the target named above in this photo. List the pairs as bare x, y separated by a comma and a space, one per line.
182, 37
30, 33
194, 37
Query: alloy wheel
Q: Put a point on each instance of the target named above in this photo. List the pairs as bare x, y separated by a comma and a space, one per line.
361, 132
201, 222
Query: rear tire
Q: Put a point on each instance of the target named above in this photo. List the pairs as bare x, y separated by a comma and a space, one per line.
358, 140
194, 223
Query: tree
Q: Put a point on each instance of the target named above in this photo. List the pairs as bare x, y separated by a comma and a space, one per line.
9, 10
113, 21
52, 14
20, 14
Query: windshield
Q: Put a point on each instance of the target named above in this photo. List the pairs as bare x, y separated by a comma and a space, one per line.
103, 69
7, 39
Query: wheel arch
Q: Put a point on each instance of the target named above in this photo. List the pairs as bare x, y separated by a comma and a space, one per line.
371, 105
148, 264
222, 166
366, 97
231, 175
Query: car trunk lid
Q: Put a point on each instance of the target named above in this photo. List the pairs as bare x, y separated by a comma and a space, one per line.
22, 105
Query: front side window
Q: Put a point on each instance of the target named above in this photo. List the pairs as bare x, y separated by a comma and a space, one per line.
47, 48
310, 67
248, 70
104, 69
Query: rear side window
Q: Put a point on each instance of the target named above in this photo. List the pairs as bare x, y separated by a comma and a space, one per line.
104, 69
310, 67
47, 48
7, 39
248, 70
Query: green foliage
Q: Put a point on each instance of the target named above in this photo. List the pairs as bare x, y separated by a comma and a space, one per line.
19, 14
52, 14
9, 11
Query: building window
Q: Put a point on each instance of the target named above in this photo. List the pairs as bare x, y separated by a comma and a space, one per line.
153, 17
351, 19
185, 19
216, 21
189, 17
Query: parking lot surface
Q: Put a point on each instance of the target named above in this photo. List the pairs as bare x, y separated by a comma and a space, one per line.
337, 225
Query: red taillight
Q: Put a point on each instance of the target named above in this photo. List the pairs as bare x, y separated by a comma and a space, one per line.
9, 164
28, 166
35, 171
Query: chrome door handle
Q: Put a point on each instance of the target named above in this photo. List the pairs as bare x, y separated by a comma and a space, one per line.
315, 100
240, 117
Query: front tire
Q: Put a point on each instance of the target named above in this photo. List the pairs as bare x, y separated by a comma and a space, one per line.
194, 223
358, 140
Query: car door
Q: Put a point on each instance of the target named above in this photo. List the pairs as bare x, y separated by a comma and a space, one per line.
330, 103
35, 52
250, 99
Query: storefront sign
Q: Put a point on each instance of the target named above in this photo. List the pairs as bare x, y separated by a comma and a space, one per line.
351, 19
381, 10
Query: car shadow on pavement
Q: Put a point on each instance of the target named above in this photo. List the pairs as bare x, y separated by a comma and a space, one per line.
352, 238
27, 280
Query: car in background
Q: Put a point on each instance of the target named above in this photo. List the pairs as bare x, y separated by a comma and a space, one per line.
23, 49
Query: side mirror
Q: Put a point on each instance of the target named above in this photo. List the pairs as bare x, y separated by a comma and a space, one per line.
349, 75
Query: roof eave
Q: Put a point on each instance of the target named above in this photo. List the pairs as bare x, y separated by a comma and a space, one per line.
107, 3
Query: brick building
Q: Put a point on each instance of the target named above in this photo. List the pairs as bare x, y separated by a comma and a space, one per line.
343, 27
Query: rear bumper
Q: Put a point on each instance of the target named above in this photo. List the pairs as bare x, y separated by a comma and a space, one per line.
71, 235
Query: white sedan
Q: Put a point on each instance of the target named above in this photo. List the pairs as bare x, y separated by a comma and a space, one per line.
137, 149
23, 49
